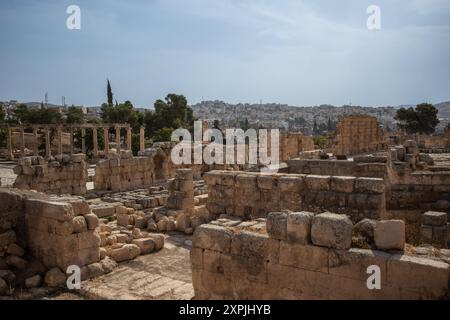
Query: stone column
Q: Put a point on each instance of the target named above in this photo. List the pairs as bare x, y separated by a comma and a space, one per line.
83, 140
129, 139
142, 139
48, 150
106, 138
118, 140
59, 133
36, 142
95, 141
10, 144
71, 140
22, 142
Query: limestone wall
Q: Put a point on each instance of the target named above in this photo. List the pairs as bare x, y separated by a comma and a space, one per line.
43, 235
338, 168
358, 134
63, 175
302, 256
254, 195
124, 173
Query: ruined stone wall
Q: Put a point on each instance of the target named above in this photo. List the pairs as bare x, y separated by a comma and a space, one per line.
43, 235
291, 144
63, 175
414, 182
358, 134
62, 232
118, 174
338, 168
302, 256
254, 195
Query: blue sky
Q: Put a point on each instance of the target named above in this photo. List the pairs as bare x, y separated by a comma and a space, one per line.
286, 51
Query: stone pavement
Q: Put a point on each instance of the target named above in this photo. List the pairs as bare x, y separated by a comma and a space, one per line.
162, 276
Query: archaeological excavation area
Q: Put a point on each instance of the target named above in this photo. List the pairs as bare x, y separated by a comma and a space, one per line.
366, 218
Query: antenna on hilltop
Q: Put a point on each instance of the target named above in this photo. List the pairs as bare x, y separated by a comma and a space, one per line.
63, 101
46, 99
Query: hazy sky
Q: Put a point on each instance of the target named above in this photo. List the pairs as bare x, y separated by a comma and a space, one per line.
287, 51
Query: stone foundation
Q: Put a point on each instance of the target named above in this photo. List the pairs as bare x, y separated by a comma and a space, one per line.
302, 256
254, 195
41, 235
64, 175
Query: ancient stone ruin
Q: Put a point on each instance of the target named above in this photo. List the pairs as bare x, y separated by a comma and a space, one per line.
141, 227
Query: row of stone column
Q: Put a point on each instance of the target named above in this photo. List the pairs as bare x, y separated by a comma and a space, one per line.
83, 142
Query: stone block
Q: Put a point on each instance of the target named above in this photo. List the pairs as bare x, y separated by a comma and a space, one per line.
158, 239
318, 183
293, 183
307, 257
299, 227
147, 245
369, 185
79, 224
353, 263
390, 235
428, 278
212, 237
342, 184
435, 218
332, 230
277, 225
127, 252
55, 278
249, 244
92, 221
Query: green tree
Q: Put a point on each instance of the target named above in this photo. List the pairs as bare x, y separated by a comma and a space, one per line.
320, 141
122, 113
109, 93
315, 128
423, 119
163, 135
74, 115
171, 113
25, 115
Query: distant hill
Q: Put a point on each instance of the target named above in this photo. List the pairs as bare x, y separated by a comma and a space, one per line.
444, 109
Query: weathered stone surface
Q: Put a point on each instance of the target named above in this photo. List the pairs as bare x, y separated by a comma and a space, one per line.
158, 239
390, 235
4, 288
304, 256
79, 224
16, 262
33, 282
249, 244
427, 278
342, 184
212, 237
108, 264
332, 230
6, 238
92, 221
147, 245
15, 250
299, 227
55, 278
370, 185
127, 252
277, 225
435, 218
